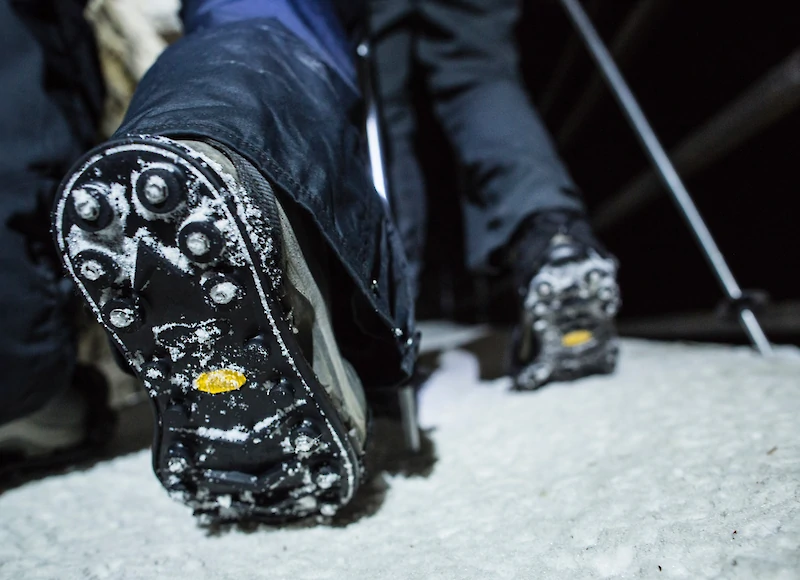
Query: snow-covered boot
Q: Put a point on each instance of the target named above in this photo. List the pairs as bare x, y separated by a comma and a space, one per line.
184, 254
569, 298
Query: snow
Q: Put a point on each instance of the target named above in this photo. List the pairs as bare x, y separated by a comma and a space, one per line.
688, 459
238, 434
261, 425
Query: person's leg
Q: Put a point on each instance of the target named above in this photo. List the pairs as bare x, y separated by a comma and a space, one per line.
230, 240
298, 122
511, 168
318, 24
52, 97
393, 35
522, 210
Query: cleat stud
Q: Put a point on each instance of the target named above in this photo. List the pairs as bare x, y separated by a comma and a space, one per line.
534, 376
89, 207
177, 465
307, 504
305, 438
92, 270
122, 317
124, 314
86, 206
161, 189
328, 509
325, 477
594, 277
178, 450
155, 372
540, 309
605, 294
303, 443
97, 267
198, 244
259, 345
282, 394
200, 241
223, 292
544, 289
178, 459
155, 189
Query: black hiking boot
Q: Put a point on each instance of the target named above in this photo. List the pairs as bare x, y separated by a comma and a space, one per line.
569, 298
184, 254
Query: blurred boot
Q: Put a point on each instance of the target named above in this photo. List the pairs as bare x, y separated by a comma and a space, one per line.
569, 298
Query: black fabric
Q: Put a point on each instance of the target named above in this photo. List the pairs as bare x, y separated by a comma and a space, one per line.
468, 59
51, 99
528, 250
257, 89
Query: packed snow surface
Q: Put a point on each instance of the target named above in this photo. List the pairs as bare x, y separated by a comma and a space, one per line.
685, 464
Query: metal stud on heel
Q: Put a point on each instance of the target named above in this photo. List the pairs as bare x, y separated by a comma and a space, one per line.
89, 207
305, 437
222, 290
200, 241
96, 267
160, 189
124, 314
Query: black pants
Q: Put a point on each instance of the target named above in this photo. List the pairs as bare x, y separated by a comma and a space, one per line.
467, 55
250, 85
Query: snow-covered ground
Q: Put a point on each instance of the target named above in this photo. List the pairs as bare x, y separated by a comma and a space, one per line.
686, 464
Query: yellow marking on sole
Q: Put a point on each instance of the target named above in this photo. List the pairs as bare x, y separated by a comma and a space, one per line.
221, 381
576, 338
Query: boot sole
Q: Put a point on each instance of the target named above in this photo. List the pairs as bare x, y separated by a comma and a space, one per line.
568, 321
176, 261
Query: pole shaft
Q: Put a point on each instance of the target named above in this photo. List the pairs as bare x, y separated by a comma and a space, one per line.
663, 166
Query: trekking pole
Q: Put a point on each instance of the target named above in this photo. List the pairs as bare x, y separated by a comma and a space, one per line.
666, 171
377, 160
407, 396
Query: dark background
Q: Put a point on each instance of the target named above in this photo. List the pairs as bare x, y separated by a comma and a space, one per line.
689, 62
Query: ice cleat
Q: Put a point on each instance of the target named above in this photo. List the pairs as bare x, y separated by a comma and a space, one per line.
186, 257
567, 329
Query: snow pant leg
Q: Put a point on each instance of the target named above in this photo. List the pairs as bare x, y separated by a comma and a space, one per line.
394, 36
511, 167
317, 24
51, 97
255, 87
